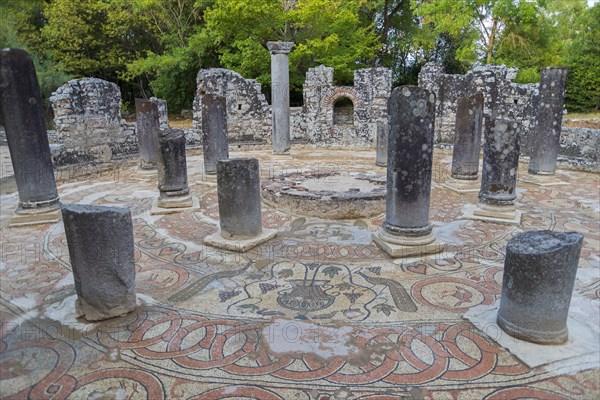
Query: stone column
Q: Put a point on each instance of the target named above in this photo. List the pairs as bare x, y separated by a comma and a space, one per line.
100, 241
240, 218
406, 230
172, 174
163, 113
539, 276
280, 95
499, 176
27, 138
467, 144
382, 144
214, 131
546, 137
147, 126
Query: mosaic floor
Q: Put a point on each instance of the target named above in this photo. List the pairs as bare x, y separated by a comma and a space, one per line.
319, 312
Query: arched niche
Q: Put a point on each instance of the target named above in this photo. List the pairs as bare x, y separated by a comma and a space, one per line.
343, 111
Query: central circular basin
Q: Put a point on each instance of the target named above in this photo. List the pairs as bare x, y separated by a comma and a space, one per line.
330, 195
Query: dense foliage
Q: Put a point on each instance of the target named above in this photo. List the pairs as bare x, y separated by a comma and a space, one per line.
156, 47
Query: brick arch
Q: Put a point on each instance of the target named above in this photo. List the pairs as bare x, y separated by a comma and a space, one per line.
338, 93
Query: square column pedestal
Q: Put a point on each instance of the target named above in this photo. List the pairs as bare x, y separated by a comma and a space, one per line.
506, 214
36, 216
239, 244
543, 180
407, 246
462, 185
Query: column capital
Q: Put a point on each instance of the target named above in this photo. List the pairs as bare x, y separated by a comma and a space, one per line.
280, 47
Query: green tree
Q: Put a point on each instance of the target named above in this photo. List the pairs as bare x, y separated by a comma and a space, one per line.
99, 38
583, 59
17, 19
475, 25
184, 48
326, 32
395, 26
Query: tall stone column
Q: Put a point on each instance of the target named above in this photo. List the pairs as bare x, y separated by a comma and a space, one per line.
27, 138
537, 286
382, 145
214, 131
280, 95
100, 241
240, 215
499, 177
406, 230
545, 141
467, 144
172, 175
147, 123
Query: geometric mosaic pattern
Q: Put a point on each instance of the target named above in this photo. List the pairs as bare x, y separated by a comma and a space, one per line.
319, 312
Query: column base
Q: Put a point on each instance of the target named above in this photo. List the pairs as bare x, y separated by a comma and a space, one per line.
379, 164
239, 245
543, 180
177, 205
507, 214
36, 216
463, 185
83, 309
397, 246
532, 335
145, 173
282, 153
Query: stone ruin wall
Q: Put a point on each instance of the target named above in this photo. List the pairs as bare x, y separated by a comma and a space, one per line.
89, 127
369, 95
249, 114
508, 100
502, 97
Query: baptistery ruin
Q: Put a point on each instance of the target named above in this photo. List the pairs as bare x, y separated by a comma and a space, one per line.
230, 270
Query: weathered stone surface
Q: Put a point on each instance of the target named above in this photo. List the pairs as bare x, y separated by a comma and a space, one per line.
382, 144
148, 128
214, 131
581, 143
500, 163
89, 127
238, 185
100, 241
369, 97
172, 170
539, 275
502, 97
280, 95
410, 160
327, 195
467, 137
26, 134
545, 141
163, 112
248, 113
